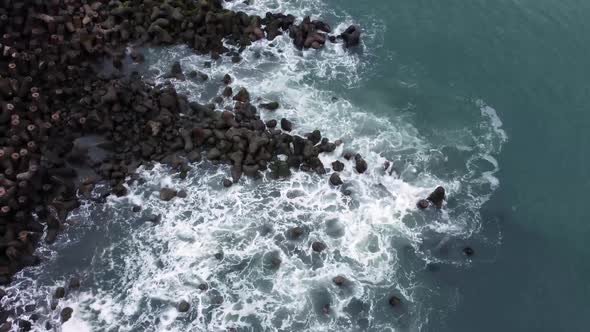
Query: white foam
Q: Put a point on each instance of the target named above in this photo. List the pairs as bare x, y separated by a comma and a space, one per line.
155, 266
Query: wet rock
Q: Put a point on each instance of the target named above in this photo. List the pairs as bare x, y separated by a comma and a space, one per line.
227, 183
6, 327
136, 208
182, 194
318, 246
167, 194
468, 251
286, 125
395, 301
24, 325
176, 72
360, 164
242, 96
340, 280
335, 179
66, 314
183, 306
296, 232
74, 283
60, 293
326, 309
270, 106
337, 166
351, 36
423, 204
437, 197
227, 79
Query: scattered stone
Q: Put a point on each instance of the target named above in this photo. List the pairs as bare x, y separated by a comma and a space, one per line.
351, 36
183, 306
437, 197
468, 251
335, 180
74, 283
339, 280
60, 293
286, 125
270, 106
337, 166
395, 301
423, 204
296, 232
318, 246
66, 314
360, 164
167, 194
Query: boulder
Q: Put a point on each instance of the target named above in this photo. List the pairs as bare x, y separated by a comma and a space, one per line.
337, 166
437, 197
351, 36
335, 179
167, 194
183, 306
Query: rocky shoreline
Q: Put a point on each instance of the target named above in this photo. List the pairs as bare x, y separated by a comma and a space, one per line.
53, 94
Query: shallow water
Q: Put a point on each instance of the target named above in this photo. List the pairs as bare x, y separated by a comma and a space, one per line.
461, 94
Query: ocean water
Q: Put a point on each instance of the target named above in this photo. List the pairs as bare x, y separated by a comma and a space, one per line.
487, 98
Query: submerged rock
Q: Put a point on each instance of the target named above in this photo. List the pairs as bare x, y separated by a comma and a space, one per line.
167, 194
66, 314
395, 301
183, 306
318, 246
335, 180
437, 197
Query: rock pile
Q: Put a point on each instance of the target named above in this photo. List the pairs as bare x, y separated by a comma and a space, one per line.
51, 95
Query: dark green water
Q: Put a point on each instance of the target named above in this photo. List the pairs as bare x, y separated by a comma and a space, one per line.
530, 60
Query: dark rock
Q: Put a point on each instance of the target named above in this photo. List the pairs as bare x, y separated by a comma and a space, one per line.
423, 204
227, 183
337, 166
437, 197
176, 72
351, 36
66, 314
468, 251
335, 179
227, 79
74, 283
183, 306
270, 106
242, 96
286, 125
395, 301
167, 194
318, 246
296, 232
60, 292
360, 165
271, 123
182, 194
340, 280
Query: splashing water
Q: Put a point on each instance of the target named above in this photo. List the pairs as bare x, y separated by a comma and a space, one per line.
230, 252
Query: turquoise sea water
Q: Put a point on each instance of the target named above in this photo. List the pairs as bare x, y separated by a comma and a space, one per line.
529, 59
488, 98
